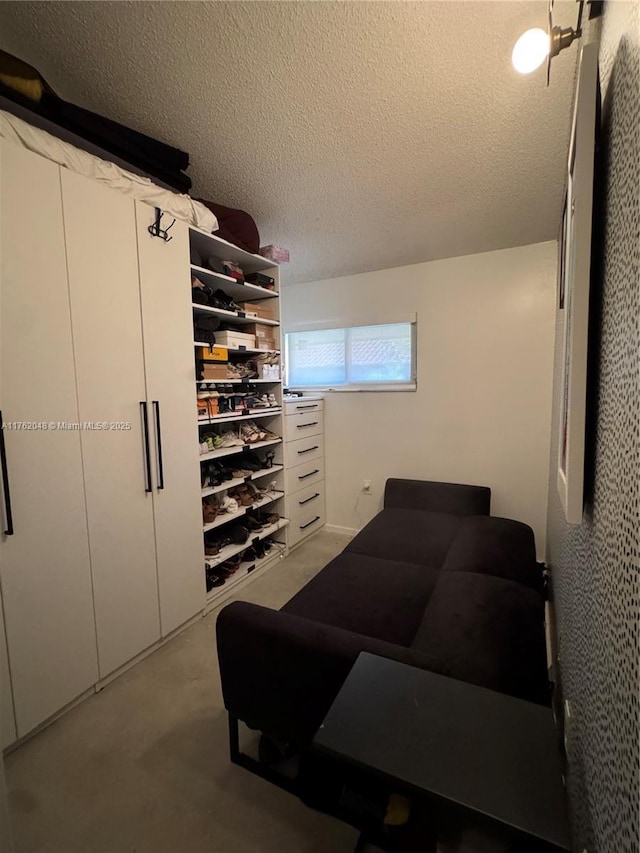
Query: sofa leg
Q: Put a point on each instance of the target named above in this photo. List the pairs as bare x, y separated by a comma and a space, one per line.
234, 740
248, 763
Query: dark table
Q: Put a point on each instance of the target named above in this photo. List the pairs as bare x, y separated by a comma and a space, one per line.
484, 751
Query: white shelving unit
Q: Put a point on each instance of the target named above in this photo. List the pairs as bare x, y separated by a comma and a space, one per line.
208, 246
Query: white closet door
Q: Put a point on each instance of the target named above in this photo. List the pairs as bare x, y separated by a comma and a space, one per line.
107, 333
44, 565
169, 360
7, 717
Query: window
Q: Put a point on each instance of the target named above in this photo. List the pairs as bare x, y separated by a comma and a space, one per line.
357, 358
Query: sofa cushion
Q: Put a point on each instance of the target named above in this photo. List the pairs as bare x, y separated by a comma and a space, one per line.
367, 595
409, 535
488, 631
495, 546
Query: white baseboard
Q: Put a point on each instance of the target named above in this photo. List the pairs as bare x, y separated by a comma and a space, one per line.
343, 531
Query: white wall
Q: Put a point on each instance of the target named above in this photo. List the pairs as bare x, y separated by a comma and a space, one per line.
482, 411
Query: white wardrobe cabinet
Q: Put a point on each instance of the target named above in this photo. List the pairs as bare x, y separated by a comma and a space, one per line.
104, 554
170, 375
44, 565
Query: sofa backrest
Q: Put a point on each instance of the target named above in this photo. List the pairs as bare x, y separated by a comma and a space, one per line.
452, 498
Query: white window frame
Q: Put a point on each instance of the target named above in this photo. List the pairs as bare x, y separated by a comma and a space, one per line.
360, 387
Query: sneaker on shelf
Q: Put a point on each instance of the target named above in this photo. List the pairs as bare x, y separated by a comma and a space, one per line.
231, 439
250, 433
210, 510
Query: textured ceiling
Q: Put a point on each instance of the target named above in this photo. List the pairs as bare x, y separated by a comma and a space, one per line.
360, 135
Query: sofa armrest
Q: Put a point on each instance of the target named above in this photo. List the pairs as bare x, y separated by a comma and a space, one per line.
280, 673
430, 496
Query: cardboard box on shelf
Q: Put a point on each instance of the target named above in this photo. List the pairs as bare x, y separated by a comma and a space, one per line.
266, 343
236, 339
213, 372
262, 311
259, 331
213, 353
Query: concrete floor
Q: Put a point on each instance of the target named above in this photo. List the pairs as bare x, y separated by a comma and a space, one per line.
143, 766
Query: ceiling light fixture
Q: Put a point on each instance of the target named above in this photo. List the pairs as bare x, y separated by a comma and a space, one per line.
536, 45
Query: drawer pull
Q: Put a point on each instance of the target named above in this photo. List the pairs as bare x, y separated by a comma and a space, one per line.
311, 423
312, 406
309, 523
308, 450
308, 500
310, 474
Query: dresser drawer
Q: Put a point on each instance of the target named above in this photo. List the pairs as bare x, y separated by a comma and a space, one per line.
302, 424
305, 475
302, 525
303, 450
308, 501
302, 406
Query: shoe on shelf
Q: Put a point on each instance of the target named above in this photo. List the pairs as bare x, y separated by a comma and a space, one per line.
238, 534
249, 435
212, 579
229, 505
231, 439
210, 510
251, 460
253, 524
214, 542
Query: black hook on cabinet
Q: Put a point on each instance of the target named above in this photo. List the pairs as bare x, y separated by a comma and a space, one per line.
156, 231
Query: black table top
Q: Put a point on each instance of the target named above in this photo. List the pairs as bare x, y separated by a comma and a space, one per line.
483, 750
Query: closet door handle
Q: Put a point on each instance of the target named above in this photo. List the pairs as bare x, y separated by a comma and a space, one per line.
5, 481
147, 449
308, 450
309, 523
310, 474
308, 500
311, 423
156, 409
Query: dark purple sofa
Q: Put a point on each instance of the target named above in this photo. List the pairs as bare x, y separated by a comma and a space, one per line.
433, 581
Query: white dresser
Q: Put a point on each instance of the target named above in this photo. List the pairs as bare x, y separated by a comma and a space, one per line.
304, 467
